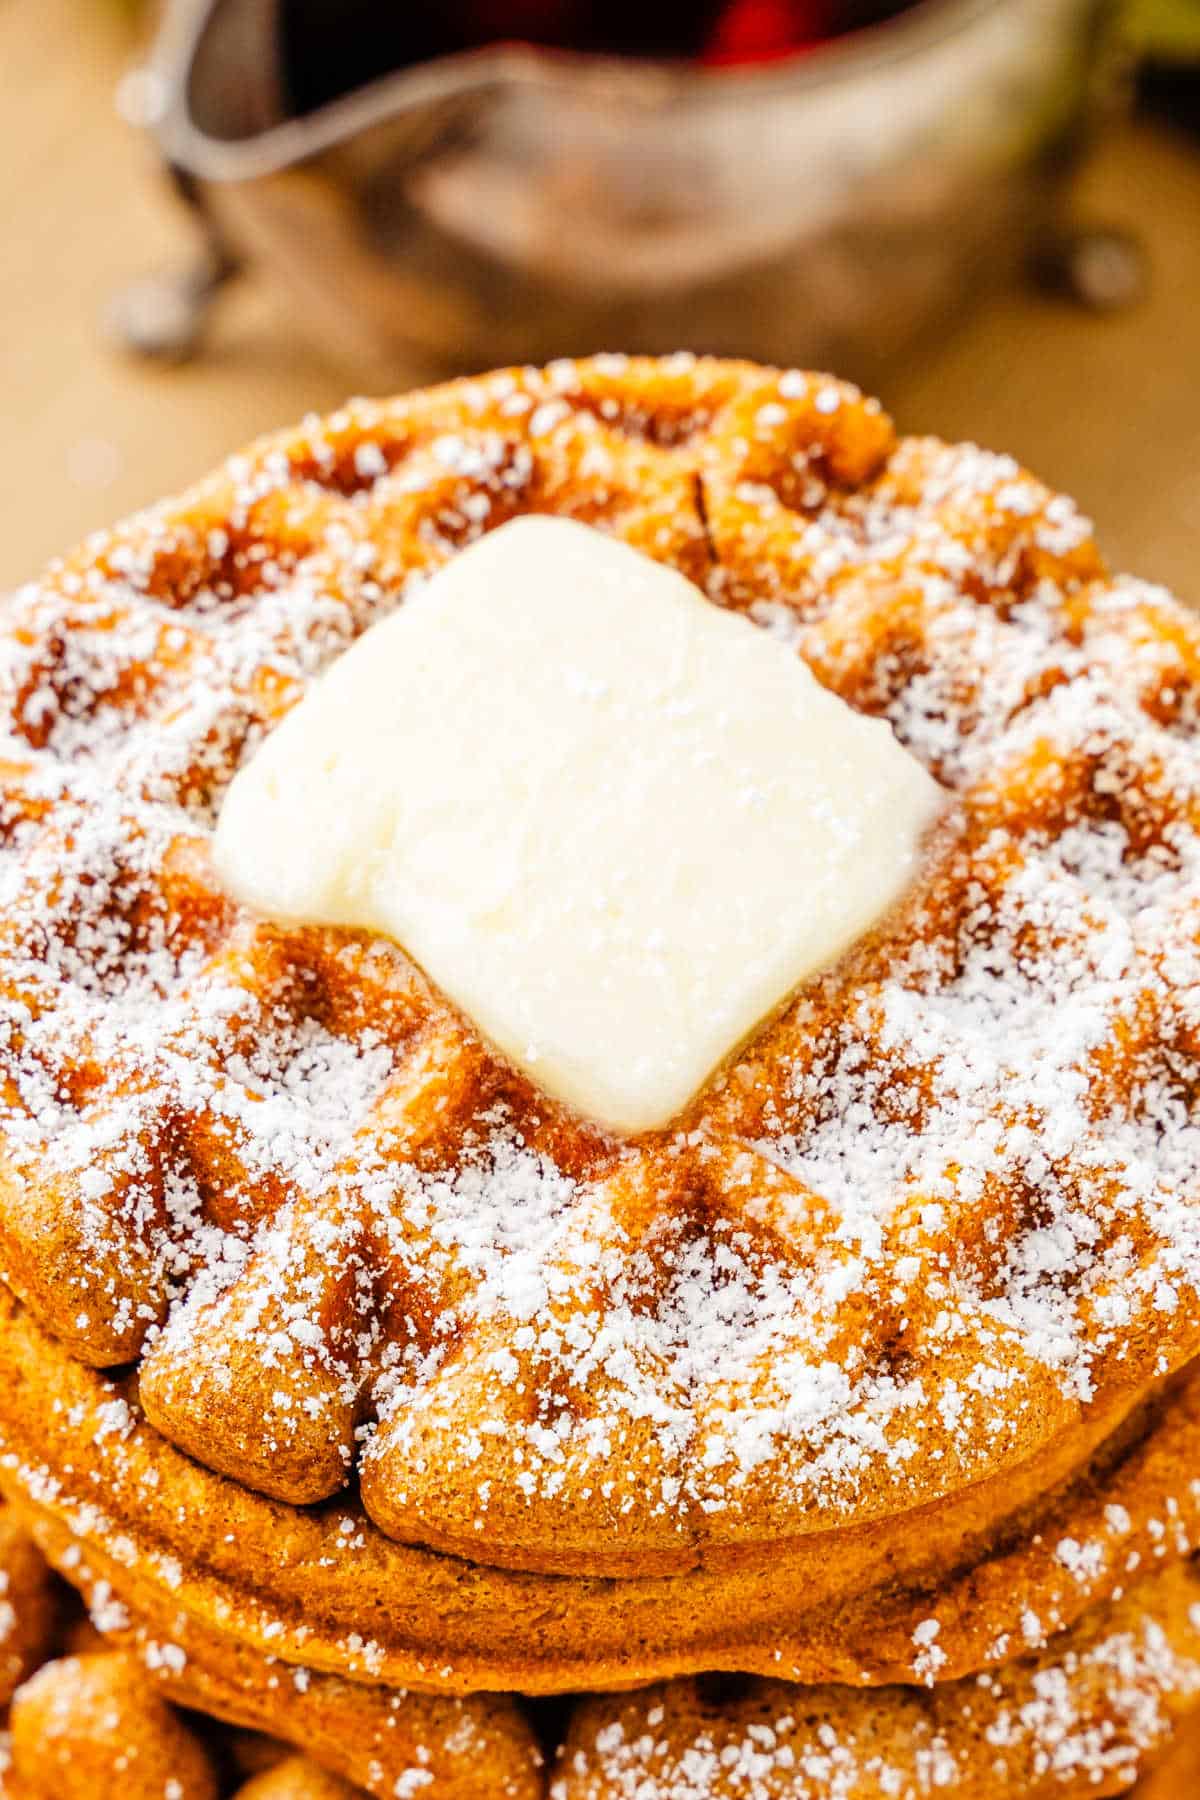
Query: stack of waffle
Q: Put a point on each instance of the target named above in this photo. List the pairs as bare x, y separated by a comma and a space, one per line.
835, 1443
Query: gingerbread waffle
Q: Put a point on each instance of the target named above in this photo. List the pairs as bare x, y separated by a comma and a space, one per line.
345, 1373
380, 1739
1081, 1718
934, 1219
326, 1590
106, 1700
88, 1724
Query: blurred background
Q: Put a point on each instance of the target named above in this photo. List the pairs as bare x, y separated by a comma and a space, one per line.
221, 214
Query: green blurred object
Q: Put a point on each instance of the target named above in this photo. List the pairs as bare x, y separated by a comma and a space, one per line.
1167, 30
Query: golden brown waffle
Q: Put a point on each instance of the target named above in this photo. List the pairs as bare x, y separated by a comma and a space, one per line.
83, 1719
86, 1725
89, 1725
385, 1741
937, 1217
189, 1551
100, 1710
1083, 1718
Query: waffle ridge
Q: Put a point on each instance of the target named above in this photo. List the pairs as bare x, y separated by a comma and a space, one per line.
927, 1219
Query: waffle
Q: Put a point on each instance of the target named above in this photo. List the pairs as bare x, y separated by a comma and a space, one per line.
382, 1740
97, 1485
90, 1724
109, 1707
935, 1219
1081, 1718
348, 1375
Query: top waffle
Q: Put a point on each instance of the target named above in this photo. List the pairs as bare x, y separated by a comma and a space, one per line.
936, 1211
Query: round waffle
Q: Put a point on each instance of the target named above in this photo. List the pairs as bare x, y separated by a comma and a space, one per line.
1084, 1717
384, 1740
1081, 1719
934, 1220
189, 1551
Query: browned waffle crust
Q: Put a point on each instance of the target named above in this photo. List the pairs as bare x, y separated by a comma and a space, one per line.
888, 1332
97, 1716
931, 1212
326, 1590
1080, 1718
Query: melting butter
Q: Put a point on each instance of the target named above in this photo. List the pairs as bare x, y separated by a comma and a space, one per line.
615, 824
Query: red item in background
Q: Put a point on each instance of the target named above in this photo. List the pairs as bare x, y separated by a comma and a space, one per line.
752, 31
742, 31
331, 47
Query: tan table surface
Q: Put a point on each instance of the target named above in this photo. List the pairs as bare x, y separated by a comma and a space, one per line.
1106, 408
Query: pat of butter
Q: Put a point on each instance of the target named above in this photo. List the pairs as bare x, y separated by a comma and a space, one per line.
615, 824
